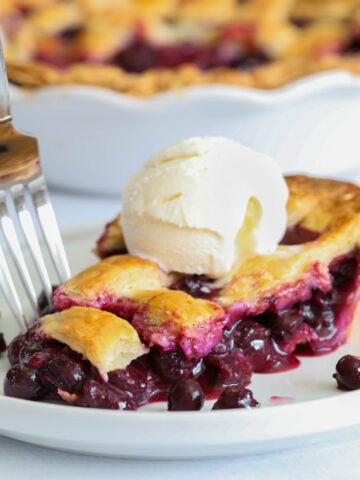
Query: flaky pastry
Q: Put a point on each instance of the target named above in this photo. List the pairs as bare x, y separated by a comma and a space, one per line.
107, 341
111, 281
171, 319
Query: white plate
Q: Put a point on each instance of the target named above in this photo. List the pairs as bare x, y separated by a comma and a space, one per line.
315, 410
106, 136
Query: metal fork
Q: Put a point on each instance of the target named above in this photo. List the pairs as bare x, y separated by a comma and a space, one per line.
23, 199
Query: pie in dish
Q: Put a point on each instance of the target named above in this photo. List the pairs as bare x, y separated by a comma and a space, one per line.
142, 47
125, 332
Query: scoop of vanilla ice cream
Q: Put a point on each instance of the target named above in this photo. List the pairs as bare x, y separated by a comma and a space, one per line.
204, 205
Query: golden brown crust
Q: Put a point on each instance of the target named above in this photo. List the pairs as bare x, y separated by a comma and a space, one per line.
36, 74
182, 310
321, 204
106, 340
329, 207
173, 319
116, 276
290, 268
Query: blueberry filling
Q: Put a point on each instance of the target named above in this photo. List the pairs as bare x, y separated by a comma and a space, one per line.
198, 286
234, 48
297, 235
269, 342
140, 56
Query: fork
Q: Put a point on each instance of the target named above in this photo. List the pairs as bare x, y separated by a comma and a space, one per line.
24, 207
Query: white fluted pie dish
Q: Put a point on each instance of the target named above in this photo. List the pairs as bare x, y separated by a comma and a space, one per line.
94, 139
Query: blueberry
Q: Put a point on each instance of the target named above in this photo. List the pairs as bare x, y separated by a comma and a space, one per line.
174, 366
348, 372
136, 381
64, 373
185, 395
286, 324
38, 360
255, 342
101, 395
23, 382
232, 369
14, 348
236, 397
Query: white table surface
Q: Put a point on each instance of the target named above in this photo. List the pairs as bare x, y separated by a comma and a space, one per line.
333, 460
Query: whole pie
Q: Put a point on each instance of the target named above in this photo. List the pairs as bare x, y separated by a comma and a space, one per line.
143, 47
125, 332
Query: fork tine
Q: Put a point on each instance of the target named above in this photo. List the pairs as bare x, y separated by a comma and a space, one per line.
21, 177
50, 227
10, 293
16, 252
27, 224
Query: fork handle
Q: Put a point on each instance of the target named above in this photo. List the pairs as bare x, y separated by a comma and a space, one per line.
5, 112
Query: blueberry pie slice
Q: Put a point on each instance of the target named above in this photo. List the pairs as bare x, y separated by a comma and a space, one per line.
128, 329
142, 47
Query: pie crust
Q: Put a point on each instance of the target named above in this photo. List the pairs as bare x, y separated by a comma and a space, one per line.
107, 341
